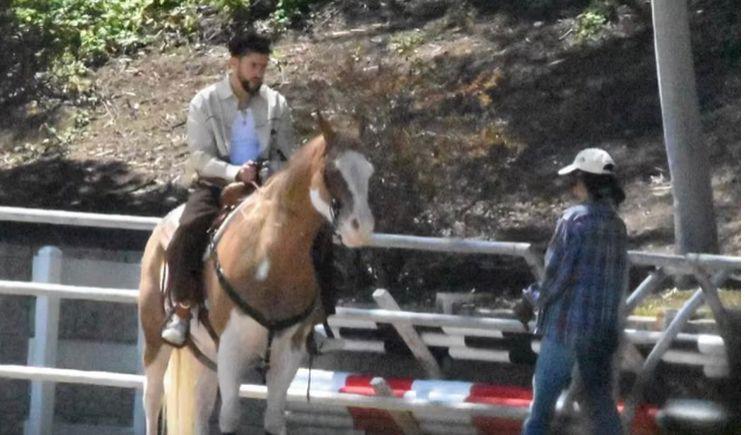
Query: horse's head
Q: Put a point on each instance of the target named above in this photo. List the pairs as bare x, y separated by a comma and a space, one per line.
339, 189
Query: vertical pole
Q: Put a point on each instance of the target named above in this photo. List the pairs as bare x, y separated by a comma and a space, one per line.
47, 268
687, 155
138, 411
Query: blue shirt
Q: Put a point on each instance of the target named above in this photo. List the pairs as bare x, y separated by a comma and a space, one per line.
586, 275
244, 142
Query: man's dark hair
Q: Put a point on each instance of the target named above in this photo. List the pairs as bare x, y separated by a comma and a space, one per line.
244, 43
602, 186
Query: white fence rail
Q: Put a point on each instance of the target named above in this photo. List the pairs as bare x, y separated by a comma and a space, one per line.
710, 270
253, 391
100, 294
78, 219
675, 263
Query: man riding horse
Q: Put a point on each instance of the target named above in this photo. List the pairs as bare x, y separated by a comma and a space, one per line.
238, 130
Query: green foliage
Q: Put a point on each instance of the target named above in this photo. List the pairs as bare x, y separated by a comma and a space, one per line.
593, 18
675, 299
62, 38
405, 43
290, 10
589, 24
89, 30
53, 42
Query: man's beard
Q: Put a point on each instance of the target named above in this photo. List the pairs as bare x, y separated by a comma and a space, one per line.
250, 89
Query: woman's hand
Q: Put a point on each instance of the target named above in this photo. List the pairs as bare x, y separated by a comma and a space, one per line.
523, 311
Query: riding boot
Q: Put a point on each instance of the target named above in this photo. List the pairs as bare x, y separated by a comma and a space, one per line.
177, 326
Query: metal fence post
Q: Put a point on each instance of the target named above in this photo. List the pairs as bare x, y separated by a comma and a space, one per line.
650, 284
664, 343
47, 268
138, 411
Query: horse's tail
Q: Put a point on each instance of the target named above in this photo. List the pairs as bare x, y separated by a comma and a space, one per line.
180, 384
150, 299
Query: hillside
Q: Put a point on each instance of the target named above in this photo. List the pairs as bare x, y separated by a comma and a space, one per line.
468, 110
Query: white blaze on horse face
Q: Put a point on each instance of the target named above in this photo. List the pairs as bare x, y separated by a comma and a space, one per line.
263, 270
320, 204
357, 227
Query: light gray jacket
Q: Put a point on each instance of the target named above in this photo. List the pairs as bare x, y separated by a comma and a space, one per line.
211, 115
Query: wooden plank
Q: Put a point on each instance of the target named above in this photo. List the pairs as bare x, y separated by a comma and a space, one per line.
409, 335
439, 244
430, 319
471, 353
403, 419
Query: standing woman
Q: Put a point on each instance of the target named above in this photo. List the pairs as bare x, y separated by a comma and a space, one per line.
579, 299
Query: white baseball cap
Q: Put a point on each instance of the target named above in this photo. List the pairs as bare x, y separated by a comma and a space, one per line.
592, 160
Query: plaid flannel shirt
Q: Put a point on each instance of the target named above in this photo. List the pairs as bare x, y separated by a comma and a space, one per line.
586, 275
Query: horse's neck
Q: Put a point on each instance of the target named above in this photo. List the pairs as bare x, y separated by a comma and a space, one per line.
293, 206
281, 219
291, 194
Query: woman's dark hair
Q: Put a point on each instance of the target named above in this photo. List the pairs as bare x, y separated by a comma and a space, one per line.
244, 43
601, 186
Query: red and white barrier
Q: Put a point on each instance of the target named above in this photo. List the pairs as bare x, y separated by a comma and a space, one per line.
513, 400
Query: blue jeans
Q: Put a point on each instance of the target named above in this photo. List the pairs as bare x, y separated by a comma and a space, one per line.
553, 373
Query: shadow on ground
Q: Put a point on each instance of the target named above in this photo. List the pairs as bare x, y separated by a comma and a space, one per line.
95, 186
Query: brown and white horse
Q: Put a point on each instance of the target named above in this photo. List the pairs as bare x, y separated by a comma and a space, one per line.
265, 257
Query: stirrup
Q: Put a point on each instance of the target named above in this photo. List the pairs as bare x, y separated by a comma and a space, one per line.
175, 323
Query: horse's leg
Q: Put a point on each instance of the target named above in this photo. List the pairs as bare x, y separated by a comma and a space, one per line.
151, 317
153, 388
241, 344
288, 351
206, 393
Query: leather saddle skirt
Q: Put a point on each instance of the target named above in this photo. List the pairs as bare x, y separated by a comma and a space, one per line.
231, 196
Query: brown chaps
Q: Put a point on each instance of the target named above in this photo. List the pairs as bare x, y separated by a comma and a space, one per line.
184, 254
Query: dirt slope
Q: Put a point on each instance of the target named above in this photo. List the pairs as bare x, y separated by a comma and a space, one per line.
468, 110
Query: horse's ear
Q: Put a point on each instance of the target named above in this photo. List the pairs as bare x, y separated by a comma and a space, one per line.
328, 133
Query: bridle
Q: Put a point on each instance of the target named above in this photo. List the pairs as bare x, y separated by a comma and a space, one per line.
334, 205
334, 211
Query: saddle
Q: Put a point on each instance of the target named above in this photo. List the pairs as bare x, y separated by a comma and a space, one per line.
232, 195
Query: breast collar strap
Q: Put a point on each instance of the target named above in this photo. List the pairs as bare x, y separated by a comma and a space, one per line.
271, 325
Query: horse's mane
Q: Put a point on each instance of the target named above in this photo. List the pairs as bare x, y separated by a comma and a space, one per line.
286, 186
